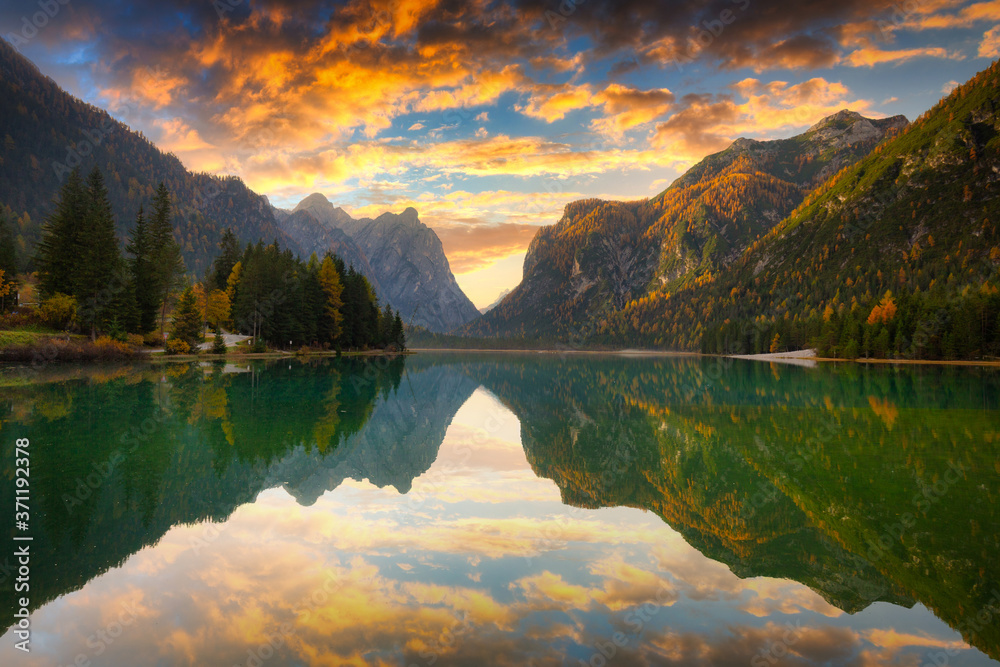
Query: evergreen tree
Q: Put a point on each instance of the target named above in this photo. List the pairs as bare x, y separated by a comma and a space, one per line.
219, 343
56, 257
398, 335
165, 252
187, 320
229, 254
141, 272
8, 265
385, 321
98, 259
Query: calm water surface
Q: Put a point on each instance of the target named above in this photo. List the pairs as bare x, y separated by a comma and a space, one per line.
472, 509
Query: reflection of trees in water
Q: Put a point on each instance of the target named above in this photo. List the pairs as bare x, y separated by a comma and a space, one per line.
780, 471
775, 471
117, 459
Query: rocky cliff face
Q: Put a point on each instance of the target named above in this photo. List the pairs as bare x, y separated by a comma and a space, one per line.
314, 236
401, 256
603, 255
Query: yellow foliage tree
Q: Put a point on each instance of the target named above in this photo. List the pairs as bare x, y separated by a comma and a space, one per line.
885, 311
329, 280
6, 289
216, 309
233, 280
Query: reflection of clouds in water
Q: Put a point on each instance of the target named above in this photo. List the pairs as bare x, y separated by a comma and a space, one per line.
446, 581
213, 605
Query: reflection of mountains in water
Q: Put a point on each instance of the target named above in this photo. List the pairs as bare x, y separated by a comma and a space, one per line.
787, 472
398, 444
779, 472
188, 446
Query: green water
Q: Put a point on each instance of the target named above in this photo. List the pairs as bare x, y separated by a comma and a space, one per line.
506, 509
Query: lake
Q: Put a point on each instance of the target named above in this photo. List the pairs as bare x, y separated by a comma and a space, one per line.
495, 509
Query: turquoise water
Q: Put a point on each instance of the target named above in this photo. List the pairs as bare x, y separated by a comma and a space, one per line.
472, 509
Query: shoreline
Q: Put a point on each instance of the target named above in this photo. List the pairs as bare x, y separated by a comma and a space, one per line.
161, 357
800, 358
778, 357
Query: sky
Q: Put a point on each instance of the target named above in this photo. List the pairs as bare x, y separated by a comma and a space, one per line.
489, 117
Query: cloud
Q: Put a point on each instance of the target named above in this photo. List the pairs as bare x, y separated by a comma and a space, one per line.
626, 107
552, 103
177, 136
415, 127
990, 46
709, 123
474, 247
940, 15
869, 57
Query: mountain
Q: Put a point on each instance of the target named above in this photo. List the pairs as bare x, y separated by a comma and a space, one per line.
403, 258
896, 255
47, 132
315, 237
503, 295
602, 255
771, 471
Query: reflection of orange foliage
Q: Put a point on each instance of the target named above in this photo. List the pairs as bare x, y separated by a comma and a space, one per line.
884, 311
885, 410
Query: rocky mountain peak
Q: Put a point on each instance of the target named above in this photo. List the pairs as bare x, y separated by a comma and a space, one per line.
743, 144
846, 128
842, 118
400, 255
315, 201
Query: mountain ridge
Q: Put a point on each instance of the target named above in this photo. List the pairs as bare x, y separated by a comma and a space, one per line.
402, 257
601, 255
49, 131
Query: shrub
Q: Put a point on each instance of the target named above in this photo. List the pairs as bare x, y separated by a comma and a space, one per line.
258, 346
22, 316
108, 348
178, 346
135, 340
54, 349
152, 339
59, 311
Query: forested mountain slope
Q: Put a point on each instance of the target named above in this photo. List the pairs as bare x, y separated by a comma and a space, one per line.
46, 132
896, 255
602, 255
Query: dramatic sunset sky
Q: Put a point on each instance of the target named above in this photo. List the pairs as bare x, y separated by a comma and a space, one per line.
488, 117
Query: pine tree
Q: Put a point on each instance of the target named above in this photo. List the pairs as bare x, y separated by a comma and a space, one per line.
56, 255
398, 334
141, 275
229, 255
385, 322
8, 265
219, 343
165, 252
98, 259
187, 320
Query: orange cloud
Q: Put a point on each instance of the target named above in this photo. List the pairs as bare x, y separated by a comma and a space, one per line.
869, 57
473, 247
990, 46
552, 103
937, 15
708, 124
